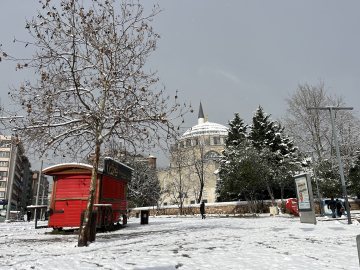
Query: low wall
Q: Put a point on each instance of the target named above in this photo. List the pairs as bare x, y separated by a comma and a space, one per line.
239, 207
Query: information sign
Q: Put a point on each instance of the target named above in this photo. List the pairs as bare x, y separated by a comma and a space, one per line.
303, 193
117, 170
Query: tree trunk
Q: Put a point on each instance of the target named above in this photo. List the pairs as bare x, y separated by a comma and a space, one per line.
282, 200
82, 241
201, 191
270, 193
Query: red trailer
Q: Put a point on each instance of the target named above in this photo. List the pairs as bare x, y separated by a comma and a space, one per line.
71, 187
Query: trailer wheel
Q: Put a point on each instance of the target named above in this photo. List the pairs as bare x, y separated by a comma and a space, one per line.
108, 219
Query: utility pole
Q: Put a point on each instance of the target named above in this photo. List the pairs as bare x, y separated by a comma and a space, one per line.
337, 152
10, 190
38, 191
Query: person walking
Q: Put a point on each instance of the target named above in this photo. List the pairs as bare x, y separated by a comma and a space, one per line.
28, 215
338, 207
202, 210
332, 206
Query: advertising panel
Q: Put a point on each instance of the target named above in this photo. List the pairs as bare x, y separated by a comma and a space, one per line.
302, 193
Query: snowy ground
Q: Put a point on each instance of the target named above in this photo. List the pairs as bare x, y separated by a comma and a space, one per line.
188, 243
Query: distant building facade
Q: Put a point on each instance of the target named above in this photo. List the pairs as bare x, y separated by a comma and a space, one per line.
22, 167
195, 156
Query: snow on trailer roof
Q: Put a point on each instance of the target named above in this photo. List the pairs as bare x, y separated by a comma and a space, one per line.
61, 166
74, 165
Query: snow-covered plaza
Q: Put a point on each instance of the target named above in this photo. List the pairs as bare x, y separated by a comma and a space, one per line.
265, 242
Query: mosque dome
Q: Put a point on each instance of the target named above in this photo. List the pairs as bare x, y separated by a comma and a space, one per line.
205, 128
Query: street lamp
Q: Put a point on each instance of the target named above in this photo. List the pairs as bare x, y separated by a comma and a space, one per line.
330, 108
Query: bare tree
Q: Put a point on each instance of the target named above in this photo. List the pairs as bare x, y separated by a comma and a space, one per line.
200, 165
179, 177
91, 86
311, 129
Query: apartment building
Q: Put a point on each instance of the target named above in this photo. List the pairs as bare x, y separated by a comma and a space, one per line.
7, 162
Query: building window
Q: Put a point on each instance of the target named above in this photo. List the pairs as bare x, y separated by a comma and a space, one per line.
173, 147
192, 202
196, 141
205, 201
2, 194
4, 163
216, 140
181, 145
5, 144
4, 154
2, 184
165, 203
207, 141
212, 155
188, 143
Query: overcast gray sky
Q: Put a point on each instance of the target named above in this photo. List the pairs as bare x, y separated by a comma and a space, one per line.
234, 55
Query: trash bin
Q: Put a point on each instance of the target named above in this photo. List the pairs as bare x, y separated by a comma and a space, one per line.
144, 217
93, 223
137, 215
124, 219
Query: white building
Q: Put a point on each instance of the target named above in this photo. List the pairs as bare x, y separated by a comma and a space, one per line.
7, 161
194, 158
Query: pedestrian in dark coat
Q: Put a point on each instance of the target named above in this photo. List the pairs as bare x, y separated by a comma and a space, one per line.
202, 210
332, 206
338, 207
28, 215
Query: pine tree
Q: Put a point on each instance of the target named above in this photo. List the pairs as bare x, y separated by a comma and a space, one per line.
262, 132
225, 188
144, 188
237, 131
353, 181
285, 162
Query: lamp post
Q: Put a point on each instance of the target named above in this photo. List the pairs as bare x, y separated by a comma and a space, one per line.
337, 152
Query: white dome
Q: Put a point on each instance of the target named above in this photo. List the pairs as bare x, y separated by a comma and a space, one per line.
206, 128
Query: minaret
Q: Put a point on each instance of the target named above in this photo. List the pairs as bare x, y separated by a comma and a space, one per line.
201, 119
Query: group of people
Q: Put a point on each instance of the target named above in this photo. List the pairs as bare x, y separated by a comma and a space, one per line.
336, 205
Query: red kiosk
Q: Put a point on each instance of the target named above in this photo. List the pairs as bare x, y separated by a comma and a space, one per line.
71, 187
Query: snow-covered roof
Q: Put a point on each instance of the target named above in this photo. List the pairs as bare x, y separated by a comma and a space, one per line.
206, 128
74, 165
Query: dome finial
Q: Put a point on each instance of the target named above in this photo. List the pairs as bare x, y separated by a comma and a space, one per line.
201, 114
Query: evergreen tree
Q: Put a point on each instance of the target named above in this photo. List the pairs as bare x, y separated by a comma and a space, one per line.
353, 181
144, 188
264, 159
237, 131
262, 132
225, 188
329, 178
